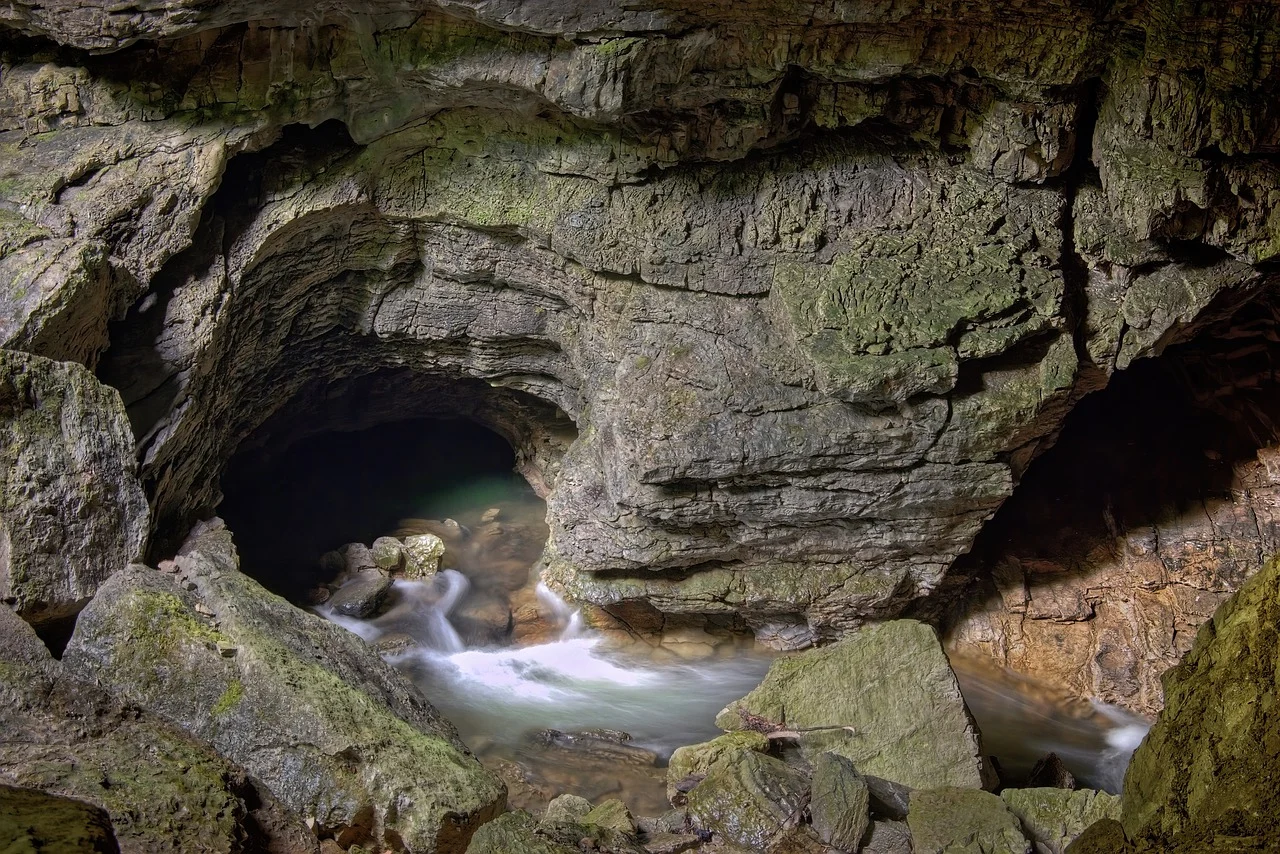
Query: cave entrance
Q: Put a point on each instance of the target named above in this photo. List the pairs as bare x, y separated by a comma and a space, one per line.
453, 477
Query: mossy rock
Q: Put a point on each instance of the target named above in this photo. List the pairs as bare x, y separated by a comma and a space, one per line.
35, 822
885, 697
1053, 818
697, 759
963, 821
753, 803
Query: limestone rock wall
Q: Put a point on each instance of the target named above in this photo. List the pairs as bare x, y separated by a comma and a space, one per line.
813, 285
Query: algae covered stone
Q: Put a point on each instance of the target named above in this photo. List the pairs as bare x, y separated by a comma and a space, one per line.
515, 833
963, 821
885, 697
1053, 818
422, 553
1205, 776
72, 511
694, 760
308, 708
754, 803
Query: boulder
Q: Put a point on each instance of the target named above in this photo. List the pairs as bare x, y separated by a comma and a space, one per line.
611, 815
691, 763
887, 699
308, 708
963, 821
387, 553
72, 511
39, 822
363, 596
515, 833
159, 790
422, 553
887, 837
1053, 817
838, 802
566, 809
755, 803
1204, 777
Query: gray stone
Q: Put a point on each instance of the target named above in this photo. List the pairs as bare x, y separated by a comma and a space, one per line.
838, 802
1052, 818
566, 808
963, 821
306, 707
72, 511
887, 837
388, 554
755, 803
885, 697
363, 596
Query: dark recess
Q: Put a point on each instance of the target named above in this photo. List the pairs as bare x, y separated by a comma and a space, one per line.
288, 508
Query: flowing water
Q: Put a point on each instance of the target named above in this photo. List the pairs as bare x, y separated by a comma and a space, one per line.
573, 714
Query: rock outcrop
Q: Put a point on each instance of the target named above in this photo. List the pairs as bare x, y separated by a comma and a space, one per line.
883, 697
305, 706
777, 312
72, 511
1201, 779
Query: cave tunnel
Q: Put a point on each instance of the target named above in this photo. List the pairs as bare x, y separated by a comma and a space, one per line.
351, 461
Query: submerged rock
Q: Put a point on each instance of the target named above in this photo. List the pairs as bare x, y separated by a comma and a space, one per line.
305, 706
72, 511
963, 821
885, 697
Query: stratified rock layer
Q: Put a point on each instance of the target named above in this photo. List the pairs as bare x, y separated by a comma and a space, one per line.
776, 301
72, 511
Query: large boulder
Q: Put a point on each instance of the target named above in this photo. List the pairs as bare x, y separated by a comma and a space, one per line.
72, 511
885, 697
838, 802
963, 821
1052, 818
149, 787
756, 804
1204, 778
307, 707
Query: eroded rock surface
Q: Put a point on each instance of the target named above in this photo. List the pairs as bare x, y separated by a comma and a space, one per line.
72, 511
812, 285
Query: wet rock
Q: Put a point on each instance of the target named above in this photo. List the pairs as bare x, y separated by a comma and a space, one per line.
611, 815
885, 697
689, 642
1107, 836
161, 790
1203, 779
387, 553
588, 744
954, 820
306, 707
887, 837
1050, 772
422, 553
72, 511
395, 643
483, 618
566, 808
838, 802
363, 597
756, 803
1053, 817
689, 765
671, 843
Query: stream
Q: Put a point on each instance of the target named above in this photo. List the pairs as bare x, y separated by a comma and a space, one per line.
563, 710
